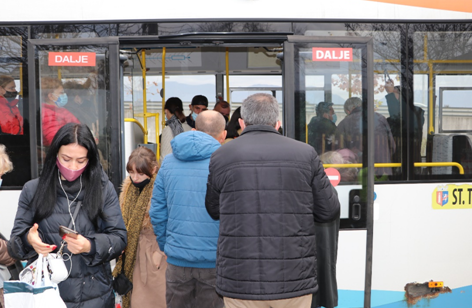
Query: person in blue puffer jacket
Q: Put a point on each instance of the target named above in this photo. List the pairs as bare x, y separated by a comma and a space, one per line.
184, 230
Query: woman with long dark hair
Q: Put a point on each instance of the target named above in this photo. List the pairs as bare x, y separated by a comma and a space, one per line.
175, 124
144, 264
72, 176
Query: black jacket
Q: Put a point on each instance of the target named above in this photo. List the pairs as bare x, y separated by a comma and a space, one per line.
268, 191
90, 281
321, 130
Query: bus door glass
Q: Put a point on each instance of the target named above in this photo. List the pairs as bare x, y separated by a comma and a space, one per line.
327, 103
76, 81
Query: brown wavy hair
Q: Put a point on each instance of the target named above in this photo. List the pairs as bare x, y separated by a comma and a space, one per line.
144, 160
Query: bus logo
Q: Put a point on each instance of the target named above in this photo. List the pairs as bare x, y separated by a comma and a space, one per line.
332, 54
71, 59
442, 197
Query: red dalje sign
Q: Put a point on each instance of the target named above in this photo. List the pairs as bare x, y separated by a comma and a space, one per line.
72, 59
332, 54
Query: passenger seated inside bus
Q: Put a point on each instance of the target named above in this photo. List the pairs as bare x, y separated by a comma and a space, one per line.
175, 124
223, 107
395, 120
81, 106
349, 135
322, 128
343, 156
54, 115
11, 121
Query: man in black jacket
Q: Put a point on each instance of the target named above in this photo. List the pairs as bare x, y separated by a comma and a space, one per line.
268, 191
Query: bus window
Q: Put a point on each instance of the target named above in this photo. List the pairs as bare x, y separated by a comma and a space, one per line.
14, 109
444, 91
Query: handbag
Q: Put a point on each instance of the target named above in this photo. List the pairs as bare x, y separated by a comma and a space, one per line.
39, 292
121, 284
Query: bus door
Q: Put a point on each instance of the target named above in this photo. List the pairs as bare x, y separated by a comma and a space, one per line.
76, 80
328, 103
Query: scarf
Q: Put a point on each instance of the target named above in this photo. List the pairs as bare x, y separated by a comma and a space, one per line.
175, 125
134, 209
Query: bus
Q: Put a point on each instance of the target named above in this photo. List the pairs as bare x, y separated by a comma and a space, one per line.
404, 239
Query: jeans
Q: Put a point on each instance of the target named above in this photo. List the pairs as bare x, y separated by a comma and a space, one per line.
190, 287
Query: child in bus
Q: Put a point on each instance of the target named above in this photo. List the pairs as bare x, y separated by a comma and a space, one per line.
54, 115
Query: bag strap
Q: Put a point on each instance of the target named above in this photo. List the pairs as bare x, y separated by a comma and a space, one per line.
76, 212
123, 263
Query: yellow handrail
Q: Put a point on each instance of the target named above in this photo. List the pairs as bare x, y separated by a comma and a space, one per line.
387, 165
442, 164
143, 72
156, 115
139, 124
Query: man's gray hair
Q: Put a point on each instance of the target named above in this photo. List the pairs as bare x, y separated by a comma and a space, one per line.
210, 122
351, 103
260, 109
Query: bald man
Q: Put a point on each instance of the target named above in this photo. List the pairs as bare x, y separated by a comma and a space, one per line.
184, 229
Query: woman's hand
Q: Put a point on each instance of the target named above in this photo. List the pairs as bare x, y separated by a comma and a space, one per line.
37, 243
78, 245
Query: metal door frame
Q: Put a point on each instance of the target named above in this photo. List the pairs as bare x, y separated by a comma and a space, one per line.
288, 75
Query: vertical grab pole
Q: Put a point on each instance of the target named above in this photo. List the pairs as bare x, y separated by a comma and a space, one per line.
163, 95
227, 76
143, 69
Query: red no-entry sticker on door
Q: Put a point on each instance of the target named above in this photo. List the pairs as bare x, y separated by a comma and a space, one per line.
72, 59
332, 54
333, 176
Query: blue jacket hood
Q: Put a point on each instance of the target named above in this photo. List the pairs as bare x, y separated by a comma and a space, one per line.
193, 145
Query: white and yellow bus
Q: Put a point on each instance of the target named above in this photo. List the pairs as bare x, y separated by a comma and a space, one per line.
411, 224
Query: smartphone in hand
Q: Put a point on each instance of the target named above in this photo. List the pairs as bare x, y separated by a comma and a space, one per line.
63, 231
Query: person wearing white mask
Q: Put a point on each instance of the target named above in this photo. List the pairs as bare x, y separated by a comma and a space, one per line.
72, 191
199, 104
54, 115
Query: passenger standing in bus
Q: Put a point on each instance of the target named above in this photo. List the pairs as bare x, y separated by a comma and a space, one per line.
145, 265
267, 200
322, 128
80, 106
416, 121
73, 177
183, 228
349, 135
233, 127
175, 124
223, 107
11, 121
199, 104
5, 259
54, 115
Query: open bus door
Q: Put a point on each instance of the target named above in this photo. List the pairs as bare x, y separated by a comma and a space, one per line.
332, 69
89, 71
